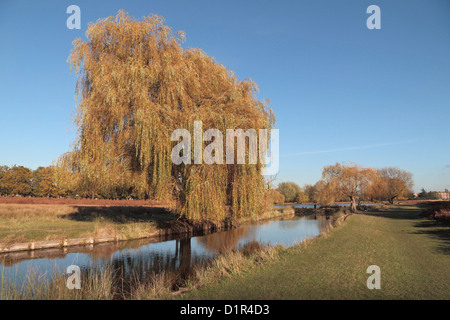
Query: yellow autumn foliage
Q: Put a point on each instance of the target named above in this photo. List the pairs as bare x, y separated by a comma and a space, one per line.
136, 85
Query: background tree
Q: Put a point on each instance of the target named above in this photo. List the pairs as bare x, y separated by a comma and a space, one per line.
136, 85
349, 180
289, 190
423, 193
43, 183
325, 193
311, 192
273, 197
391, 183
377, 189
434, 195
301, 197
3, 171
395, 182
270, 181
16, 181
430, 195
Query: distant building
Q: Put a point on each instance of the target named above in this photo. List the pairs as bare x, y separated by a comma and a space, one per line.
444, 195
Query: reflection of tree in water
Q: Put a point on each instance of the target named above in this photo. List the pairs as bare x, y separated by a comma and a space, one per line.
130, 270
289, 224
100, 252
226, 240
141, 265
104, 252
323, 223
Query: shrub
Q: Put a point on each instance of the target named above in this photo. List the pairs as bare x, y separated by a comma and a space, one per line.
439, 211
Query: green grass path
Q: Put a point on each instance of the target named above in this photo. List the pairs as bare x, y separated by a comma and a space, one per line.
412, 253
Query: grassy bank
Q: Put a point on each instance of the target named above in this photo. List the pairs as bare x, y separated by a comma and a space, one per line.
412, 253
109, 284
104, 284
36, 222
24, 223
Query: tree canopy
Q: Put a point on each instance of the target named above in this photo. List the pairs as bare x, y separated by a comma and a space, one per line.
289, 190
391, 183
349, 180
19, 180
136, 85
15, 180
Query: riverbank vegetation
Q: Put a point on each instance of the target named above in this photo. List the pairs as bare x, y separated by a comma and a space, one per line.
24, 223
115, 220
411, 252
439, 211
108, 284
97, 285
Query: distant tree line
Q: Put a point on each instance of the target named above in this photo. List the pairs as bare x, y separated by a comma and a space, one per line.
354, 183
430, 195
19, 180
43, 182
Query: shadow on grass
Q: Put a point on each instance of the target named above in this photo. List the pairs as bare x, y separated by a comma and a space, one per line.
121, 214
438, 231
402, 212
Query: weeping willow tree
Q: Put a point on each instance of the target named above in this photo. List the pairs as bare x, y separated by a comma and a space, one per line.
136, 85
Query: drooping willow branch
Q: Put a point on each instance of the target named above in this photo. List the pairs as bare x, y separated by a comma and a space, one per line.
136, 85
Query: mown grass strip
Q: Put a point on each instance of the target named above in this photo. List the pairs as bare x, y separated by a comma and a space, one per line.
413, 255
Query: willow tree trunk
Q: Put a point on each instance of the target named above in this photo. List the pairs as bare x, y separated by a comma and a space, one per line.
353, 204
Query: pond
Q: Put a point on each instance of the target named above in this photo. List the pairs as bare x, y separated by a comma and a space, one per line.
141, 258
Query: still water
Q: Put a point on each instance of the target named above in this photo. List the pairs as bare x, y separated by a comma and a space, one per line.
141, 258
310, 206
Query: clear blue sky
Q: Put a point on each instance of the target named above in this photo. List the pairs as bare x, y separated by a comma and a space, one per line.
340, 91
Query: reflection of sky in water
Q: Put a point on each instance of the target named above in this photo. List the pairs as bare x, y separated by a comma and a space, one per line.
285, 232
170, 255
318, 205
